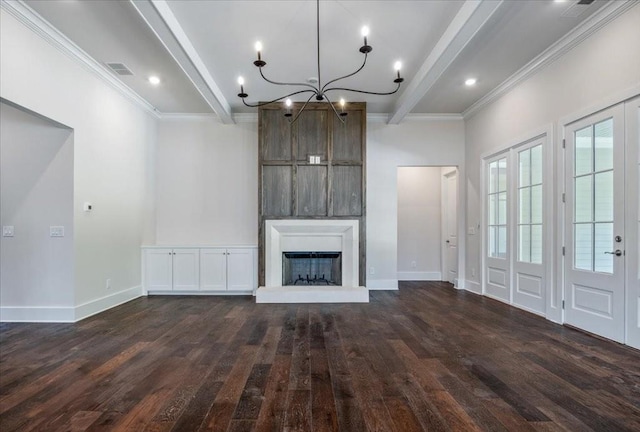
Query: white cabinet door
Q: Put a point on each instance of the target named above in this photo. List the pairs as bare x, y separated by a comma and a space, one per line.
213, 269
158, 269
186, 269
240, 270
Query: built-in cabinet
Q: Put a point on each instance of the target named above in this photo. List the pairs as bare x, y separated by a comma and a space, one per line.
204, 269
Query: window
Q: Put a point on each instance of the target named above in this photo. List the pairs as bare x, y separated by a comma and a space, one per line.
593, 197
530, 205
497, 205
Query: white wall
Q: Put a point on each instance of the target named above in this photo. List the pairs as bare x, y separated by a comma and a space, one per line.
207, 185
36, 191
113, 161
414, 142
419, 223
604, 65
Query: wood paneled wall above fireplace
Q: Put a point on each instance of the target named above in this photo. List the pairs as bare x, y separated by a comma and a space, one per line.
293, 186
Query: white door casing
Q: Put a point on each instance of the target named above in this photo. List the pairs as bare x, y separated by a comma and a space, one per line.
450, 226
594, 216
632, 220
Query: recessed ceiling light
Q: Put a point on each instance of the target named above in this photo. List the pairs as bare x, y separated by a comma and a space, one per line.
154, 80
470, 81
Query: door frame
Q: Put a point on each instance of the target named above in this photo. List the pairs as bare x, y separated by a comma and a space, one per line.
444, 175
622, 97
552, 202
632, 218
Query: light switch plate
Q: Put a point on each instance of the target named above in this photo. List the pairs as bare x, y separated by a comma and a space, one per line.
7, 231
56, 231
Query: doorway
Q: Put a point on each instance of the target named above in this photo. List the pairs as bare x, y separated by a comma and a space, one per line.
427, 223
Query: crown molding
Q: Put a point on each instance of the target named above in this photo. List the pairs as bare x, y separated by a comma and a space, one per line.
416, 117
188, 116
607, 13
32, 20
238, 117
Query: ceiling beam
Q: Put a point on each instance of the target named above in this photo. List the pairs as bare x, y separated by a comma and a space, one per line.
471, 17
163, 23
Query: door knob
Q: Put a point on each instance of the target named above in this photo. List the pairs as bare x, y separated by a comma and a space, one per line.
447, 241
617, 252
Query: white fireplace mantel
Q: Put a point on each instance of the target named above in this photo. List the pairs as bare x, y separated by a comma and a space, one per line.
308, 235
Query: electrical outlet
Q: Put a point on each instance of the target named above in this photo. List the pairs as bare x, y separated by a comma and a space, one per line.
413, 264
7, 231
372, 270
56, 231
108, 284
473, 272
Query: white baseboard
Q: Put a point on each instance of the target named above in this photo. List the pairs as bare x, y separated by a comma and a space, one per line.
43, 314
472, 286
382, 284
201, 293
96, 306
419, 276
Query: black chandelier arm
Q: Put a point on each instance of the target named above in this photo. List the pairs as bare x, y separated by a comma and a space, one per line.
346, 76
259, 104
301, 109
364, 91
287, 84
334, 110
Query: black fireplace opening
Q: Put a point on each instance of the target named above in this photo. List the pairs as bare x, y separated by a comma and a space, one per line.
311, 268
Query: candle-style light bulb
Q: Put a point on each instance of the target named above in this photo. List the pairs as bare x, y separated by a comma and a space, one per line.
397, 66
287, 104
365, 33
242, 94
258, 47
342, 105
365, 49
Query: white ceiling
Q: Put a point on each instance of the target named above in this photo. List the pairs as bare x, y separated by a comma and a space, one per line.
222, 34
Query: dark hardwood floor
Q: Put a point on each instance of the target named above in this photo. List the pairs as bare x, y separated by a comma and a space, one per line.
426, 357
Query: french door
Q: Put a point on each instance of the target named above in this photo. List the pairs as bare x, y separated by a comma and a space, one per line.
594, 224
497, 277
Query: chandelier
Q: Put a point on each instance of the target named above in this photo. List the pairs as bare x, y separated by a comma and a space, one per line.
317, 90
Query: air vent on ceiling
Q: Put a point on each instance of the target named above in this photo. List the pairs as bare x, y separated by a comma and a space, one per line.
120, 68
577, 9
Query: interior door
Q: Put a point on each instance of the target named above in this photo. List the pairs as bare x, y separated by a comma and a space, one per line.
497, 272
594, 230
451, 227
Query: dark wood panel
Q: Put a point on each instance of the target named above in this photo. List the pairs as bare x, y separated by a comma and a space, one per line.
312, 190
426, 357
277, 184
347, 137
275, 134
311, 134
347, 190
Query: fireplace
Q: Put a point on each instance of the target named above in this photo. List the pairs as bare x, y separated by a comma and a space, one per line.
312, 268
296, 273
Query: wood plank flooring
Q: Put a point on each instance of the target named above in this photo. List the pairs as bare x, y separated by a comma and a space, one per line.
426, 357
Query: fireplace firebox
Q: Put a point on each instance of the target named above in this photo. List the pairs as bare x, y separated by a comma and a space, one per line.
311, 268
